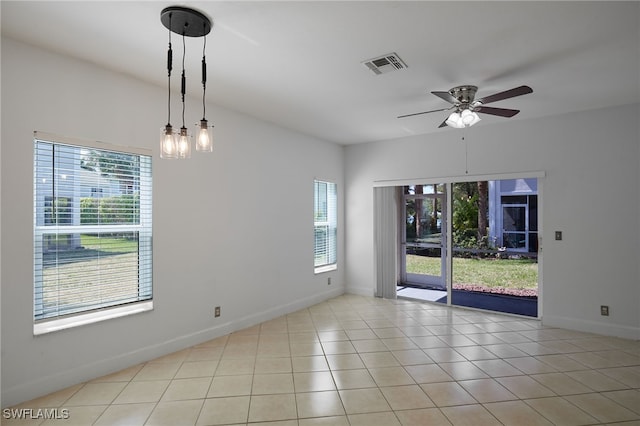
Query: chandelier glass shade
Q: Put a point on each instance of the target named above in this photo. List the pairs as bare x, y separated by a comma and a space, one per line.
168, 143
204, 142
184, 144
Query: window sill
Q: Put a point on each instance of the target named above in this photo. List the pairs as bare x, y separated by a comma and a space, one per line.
90, 318
325, 268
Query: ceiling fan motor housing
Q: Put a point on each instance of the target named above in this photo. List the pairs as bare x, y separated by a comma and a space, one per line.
464, 95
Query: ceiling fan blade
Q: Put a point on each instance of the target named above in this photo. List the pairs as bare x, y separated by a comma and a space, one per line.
443, 124
424, 112
502, 112
446, 96
516, 91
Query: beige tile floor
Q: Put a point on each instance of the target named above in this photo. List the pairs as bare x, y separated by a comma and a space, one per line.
357, 360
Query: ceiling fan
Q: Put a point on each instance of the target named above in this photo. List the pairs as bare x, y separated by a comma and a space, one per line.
466, 106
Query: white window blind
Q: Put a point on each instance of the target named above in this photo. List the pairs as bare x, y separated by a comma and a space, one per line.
325, 224
92, 229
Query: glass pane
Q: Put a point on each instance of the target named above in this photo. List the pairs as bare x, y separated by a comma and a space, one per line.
514, 199
515, 240
58, 211
490, 255
81, 271
514, 219
533, 242
424, 221
423, 189
424, 261
320, 245
533, 213
320, 201
325, 223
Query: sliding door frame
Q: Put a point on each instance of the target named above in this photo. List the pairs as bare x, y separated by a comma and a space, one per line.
422, 279
448, 181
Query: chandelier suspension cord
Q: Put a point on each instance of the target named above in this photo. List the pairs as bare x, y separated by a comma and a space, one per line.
184, 78
204, 78
169, 68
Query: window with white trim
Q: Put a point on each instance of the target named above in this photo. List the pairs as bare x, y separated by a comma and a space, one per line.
325, 226
92, 233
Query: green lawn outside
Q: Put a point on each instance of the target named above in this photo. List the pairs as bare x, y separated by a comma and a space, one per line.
72, 278
114, 245
499, 273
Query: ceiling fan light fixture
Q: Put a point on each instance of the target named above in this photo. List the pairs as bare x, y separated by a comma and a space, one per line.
455, 121
460, 120
469, 118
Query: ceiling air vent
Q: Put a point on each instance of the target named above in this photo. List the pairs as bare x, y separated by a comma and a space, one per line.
385, 64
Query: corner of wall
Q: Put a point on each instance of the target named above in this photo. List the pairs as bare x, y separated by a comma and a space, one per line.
360, 290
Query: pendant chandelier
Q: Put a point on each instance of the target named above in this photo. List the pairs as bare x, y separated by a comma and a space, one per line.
185, 22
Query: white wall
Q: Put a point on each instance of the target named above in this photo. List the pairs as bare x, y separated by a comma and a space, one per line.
244, 240
590, 192
0, 224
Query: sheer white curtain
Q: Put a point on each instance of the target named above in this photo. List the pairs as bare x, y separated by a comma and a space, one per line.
385, 220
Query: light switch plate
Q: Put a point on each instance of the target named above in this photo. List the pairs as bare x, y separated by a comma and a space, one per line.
558, 235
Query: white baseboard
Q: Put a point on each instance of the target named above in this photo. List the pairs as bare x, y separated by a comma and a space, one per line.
596, 327
60, 380
360, 290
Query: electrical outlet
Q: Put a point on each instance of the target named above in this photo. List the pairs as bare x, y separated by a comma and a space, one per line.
558, 235
329, 281
216, 311
604, 310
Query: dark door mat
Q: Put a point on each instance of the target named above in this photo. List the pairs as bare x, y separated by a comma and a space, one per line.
527, 306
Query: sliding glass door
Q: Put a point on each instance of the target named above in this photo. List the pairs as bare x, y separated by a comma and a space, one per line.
492, 261
495, 258
423, 237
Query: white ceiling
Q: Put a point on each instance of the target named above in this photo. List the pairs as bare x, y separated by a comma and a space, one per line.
299, 63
